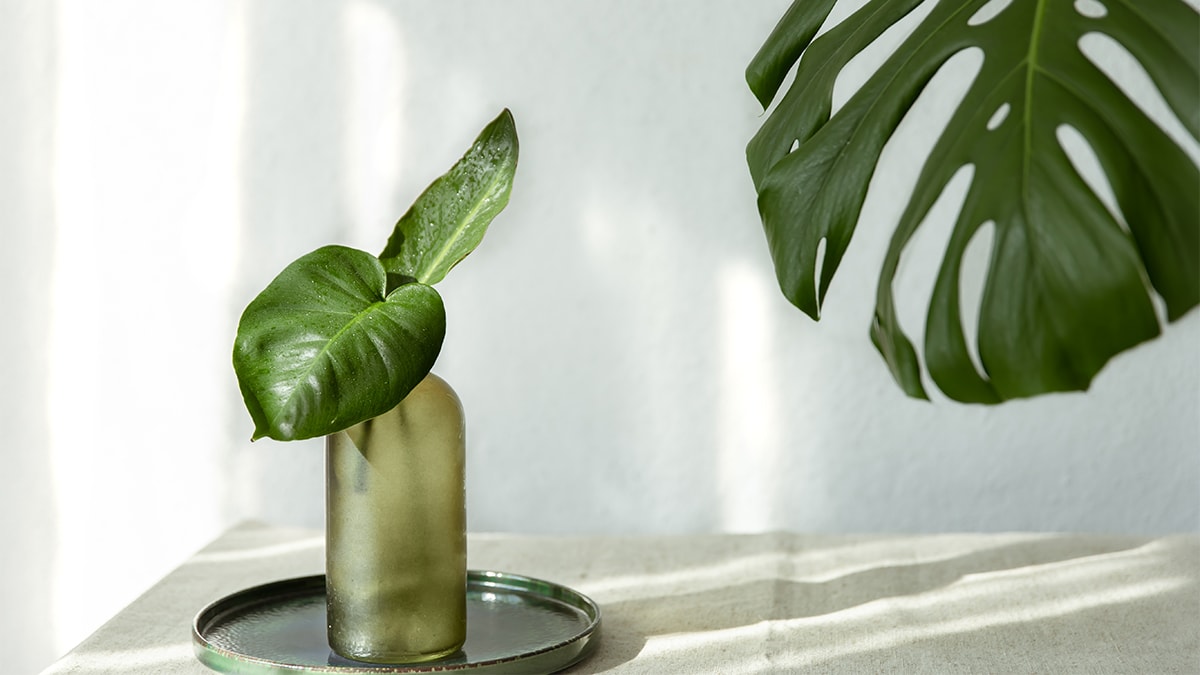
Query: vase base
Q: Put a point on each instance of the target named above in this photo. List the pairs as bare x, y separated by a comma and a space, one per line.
337, 657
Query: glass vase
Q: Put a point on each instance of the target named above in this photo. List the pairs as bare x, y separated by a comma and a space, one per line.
396, 549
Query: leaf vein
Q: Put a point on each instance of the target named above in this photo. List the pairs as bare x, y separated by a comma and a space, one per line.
325, 350
462, 226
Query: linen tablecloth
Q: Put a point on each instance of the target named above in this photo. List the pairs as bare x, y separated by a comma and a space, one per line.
771, 603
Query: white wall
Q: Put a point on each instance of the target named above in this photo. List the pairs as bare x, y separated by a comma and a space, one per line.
626, 361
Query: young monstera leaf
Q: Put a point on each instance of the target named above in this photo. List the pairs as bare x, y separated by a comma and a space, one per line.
323, 347
452, 215
1069, 283
341, 336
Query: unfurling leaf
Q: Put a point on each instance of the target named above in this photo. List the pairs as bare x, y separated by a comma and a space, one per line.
451, 216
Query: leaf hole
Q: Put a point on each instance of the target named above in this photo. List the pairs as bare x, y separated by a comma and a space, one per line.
917, 272
1088, 166
863, 65
972, 279
818, 265
988, 12
795, 146
1127, 73
999, 116
911, 143
840, 11
1092, 9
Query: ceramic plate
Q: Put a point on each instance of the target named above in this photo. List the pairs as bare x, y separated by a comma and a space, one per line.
515, 624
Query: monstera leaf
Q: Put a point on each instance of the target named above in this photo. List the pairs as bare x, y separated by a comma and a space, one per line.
1068, 283
322, 348
450, 218
341, 336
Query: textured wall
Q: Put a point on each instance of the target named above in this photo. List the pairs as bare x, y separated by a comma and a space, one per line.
625, 359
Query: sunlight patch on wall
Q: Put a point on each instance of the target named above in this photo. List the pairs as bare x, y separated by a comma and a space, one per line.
145, 179
748, 435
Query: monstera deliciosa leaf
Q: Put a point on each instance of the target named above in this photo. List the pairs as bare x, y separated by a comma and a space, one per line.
325, 347
341, 336
468, 196
1069, 283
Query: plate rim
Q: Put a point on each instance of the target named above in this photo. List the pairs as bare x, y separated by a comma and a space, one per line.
479, 580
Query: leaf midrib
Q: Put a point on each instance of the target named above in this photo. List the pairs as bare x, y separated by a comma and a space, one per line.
321, 355
1031, 60
1033, 69
458, 231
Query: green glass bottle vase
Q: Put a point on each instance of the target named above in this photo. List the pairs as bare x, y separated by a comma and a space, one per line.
396, 547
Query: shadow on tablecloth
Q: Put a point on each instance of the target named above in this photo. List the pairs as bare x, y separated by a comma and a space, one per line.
779, 615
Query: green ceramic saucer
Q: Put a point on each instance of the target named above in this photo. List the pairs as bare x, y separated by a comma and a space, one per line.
515, 624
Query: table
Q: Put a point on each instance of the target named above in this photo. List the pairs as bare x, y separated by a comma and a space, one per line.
771, 603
